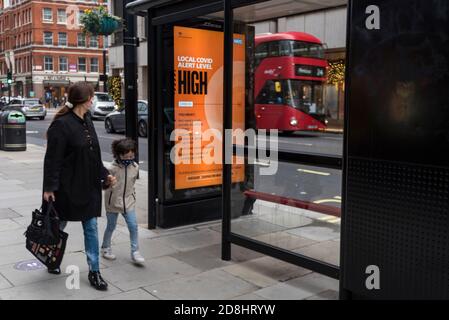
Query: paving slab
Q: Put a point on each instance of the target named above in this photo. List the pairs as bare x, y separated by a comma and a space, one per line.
266, 271
56, 289
149, 248
19, 277
128, 277
285, 240
6, 213
9, 224
316, 233
250, 296
11, 237
253, 227
4, 283
210, 285
326, 295
299, 288
192, 240
14, 253
204, 259
327, 251
138, 294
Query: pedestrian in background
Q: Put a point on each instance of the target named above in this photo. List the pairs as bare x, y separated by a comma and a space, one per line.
121, 198
74, 174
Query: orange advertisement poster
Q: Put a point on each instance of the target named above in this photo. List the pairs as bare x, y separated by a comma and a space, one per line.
198, 99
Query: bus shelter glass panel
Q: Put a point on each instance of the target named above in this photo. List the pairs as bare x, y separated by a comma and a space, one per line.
192, 118
282, 201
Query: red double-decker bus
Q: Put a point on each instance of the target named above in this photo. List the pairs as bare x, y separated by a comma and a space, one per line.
289, 78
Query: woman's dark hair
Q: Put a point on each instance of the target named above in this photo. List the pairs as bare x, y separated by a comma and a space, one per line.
79, 93
123, 146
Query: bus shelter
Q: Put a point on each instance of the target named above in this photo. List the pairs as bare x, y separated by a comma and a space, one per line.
393, 188
174, 27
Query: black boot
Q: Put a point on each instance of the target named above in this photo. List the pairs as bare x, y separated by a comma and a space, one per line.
97, 281
54, 271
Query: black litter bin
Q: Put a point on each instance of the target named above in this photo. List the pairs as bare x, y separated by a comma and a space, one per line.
12, 131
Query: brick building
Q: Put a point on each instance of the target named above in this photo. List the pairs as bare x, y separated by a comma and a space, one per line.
42, 44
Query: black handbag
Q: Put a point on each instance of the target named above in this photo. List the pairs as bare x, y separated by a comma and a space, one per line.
44, 227
44, 239
50, 255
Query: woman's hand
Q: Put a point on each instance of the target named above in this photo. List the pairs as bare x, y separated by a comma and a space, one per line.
49, 196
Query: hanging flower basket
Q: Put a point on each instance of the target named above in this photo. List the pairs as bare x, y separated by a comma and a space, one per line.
99, 22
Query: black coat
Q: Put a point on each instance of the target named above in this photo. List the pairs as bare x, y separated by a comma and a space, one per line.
73, 168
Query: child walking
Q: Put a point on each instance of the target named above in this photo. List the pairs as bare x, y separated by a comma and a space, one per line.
121, 198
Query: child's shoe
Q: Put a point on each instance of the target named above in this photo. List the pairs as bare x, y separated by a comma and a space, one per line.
137, 257
107, 253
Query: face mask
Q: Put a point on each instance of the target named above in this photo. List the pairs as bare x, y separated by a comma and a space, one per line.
127, 162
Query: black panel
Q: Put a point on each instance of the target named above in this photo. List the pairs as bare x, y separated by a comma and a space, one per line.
400, 75
397, 218
396, 196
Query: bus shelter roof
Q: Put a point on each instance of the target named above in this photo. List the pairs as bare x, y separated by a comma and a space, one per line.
246, 10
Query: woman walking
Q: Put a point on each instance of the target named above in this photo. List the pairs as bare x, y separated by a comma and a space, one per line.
74, 174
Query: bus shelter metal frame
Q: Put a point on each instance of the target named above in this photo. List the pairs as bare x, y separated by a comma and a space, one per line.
160, 12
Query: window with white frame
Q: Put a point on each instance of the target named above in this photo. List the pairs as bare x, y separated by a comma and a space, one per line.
48, 63
63, 64
93, 64
93, 42
47, 14
62, 39
81, 40
82, 64
48, 38
62, 16
80, 14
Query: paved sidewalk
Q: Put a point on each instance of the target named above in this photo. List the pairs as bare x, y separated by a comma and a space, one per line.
182, 263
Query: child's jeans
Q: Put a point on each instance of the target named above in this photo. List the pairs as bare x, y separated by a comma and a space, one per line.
131, 221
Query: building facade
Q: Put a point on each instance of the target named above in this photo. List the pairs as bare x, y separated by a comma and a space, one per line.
116, 50
42, 44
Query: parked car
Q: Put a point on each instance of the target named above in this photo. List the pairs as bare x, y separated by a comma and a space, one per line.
102, 105
115, 121
31, 107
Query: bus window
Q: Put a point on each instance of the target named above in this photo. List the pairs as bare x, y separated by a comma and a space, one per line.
306, 49
274, 49
261, 52
269, 94
285, 48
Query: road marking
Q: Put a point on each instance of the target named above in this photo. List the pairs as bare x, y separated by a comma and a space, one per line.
330, 219
106, 137
314, 172
32, 132
337, 197
262, 164
287, 142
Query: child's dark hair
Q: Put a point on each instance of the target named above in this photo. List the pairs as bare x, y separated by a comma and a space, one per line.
123, 146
